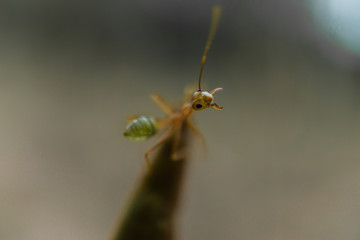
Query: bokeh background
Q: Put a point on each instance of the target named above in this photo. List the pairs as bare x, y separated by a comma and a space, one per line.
283, 159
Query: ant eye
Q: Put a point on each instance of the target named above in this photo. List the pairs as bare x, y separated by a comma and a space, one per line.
198, 106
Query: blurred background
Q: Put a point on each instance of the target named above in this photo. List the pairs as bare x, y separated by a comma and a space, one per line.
283, 159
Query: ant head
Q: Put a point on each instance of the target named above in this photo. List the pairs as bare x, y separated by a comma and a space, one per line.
202, 100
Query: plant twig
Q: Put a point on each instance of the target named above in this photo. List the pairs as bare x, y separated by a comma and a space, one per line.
150, 215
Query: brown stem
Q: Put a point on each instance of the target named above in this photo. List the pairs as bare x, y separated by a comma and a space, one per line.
150, 215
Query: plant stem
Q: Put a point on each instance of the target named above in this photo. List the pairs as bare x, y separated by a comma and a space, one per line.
150, 215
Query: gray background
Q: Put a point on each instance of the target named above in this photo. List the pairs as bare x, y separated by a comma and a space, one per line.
283, 159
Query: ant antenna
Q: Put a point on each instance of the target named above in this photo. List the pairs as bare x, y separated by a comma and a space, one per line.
214, 23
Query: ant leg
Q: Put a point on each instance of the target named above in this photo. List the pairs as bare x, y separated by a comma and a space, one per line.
162, 122
162, 104
163, 138
197, 134
131, 118
188, 92
175, 155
